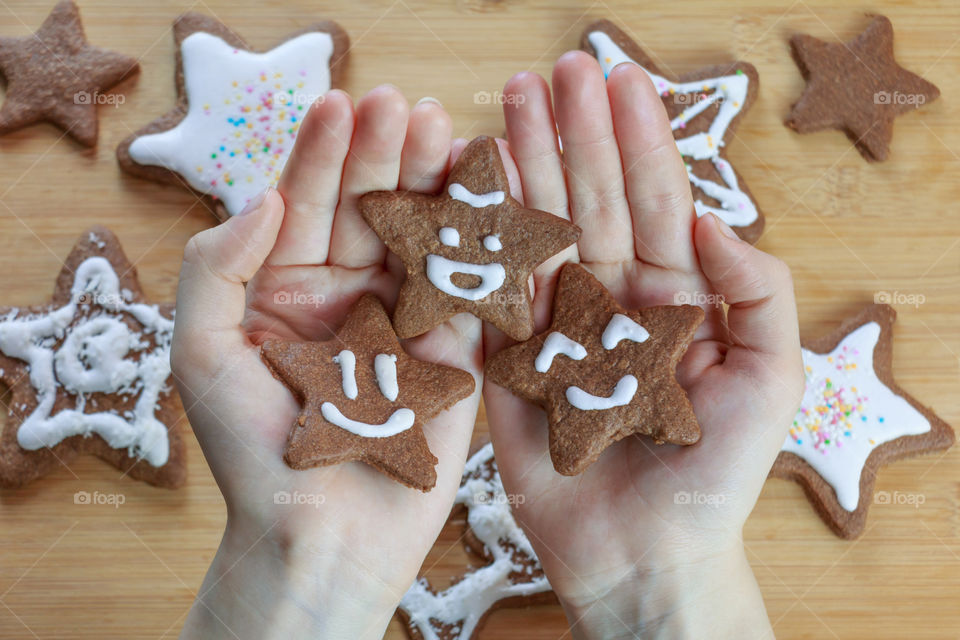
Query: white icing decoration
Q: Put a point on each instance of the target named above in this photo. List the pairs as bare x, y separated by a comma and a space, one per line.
489, 516
477, 200
876, 414
242, 118
622, 394
399, 421
736, 207
348, 372
554, 344
449, 237
440, 269
620, 328
385, 366
92, 358
492, 242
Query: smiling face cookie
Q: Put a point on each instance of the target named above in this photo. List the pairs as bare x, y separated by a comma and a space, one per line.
364, 398
469, 249
602, 372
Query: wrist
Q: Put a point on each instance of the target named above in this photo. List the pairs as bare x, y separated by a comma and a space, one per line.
713, 596
273, 585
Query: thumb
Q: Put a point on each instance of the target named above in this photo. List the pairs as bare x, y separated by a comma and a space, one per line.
211, 297
762, 314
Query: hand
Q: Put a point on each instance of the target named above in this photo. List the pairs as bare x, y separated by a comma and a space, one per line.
623, 549
338, 566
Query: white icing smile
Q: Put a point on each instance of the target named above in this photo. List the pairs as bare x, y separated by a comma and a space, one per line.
440, 270
385, 367
622, 394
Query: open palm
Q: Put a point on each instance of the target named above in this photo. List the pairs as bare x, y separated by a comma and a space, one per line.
621, 179
306, 256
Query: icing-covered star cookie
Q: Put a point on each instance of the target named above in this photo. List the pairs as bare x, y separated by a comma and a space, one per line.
469, 249
90, 373
704, 107
238, 111
856, 87
57, 76
854, 419
364, 398
511, 575
602, 372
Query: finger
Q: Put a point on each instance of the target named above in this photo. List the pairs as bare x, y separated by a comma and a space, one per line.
762, 312
532, 133
310, 184
595, 186
426, 149
658, 190
510, 168
373, 164
210, 296
520, 439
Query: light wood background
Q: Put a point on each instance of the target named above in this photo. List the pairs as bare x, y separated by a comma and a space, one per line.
848, 230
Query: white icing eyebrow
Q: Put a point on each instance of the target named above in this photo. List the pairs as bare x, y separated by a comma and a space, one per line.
348, 372
557, 343
620, 328
477, 200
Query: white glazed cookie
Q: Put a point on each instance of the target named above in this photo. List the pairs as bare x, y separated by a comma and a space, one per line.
512, 577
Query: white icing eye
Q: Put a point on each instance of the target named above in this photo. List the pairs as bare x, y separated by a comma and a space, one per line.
620, 328
555, 344
492, 242
385, 366
449, 237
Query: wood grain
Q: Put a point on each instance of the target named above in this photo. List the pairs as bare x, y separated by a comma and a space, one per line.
848, 230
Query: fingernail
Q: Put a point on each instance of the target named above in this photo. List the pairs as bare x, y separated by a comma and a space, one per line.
425, 99
255, 202
725, 228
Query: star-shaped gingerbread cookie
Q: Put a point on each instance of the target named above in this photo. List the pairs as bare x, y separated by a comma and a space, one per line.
364, 398
602, 372
705, 107
238, 111
856, 87
55, 75
89, 373
854, 419
469, 249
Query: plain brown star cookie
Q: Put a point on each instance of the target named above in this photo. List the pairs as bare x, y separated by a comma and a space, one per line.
856, 87
89, 373
469, 249
364, 398
705, 108
602, 372
57, 76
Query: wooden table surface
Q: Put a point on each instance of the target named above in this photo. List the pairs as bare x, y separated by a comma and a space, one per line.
847, 228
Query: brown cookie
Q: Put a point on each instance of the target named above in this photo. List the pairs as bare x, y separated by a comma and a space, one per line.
364, 398
595, 346
856, 87
853, 420
55, 75
237, 113
89, 373
511, 575
469, 249
702, 131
